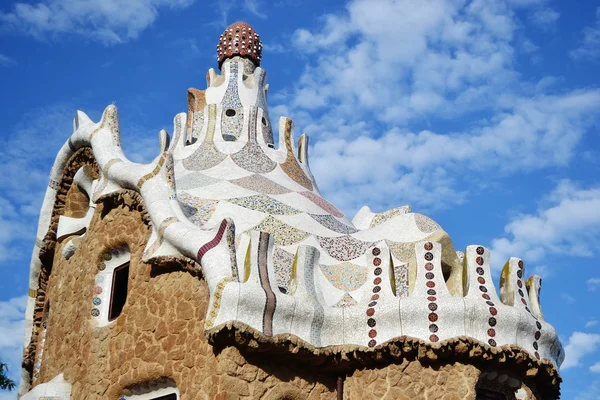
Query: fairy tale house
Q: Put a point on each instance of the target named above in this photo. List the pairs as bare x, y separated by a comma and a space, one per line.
218, 271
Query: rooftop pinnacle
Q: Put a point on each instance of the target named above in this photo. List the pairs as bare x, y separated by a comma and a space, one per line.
239, 39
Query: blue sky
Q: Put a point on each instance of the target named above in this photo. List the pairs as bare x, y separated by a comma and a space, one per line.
481, 114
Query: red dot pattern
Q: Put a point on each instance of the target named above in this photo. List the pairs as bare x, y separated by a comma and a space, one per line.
491, 332
371, 322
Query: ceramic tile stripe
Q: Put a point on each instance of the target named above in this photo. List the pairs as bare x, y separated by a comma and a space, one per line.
426, 224
401, 280
333, 224
154, 172
54, 185
380, 218
343, 248
538, 333
216, 304
253, 159
271, 303
261, 184
345, 276
177, 133
431, 292
319, 314
170, 176
159, 239
230, 238
213, 243
283, 234
521, 287
324, 204
371, 310
195, 180
290, 166
231, 125
282, 260
196, 209
264, 204
484, 288
206, 155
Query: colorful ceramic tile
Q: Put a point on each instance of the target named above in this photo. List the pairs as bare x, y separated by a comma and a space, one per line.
264, 204
345, 276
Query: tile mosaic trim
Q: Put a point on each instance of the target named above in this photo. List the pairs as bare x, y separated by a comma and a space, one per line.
213, 243
380, 218
324, 204
333, 224
264, 204
261, 184
426, 224
309, 280
195, 180
283, 234
282, 261
206, 155
345, 276
196, 209
372, 306
290, 166
271, 303
216, 304
154, 172
343, 248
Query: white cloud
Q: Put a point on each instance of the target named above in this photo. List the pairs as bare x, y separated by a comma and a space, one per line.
565, 226
595, 368
406, 63
545, 17
591, 392
109, 21
12, 317
6, 61
593, 284
590, 44
580, 345
591, 323
567, 298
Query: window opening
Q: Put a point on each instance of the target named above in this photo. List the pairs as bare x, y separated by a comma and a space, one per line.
119, 291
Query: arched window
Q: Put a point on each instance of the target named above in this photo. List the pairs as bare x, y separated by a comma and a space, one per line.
112, 281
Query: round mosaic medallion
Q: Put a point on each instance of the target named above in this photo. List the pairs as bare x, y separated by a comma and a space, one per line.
431, 292
378, 271
429, 275
97, 290
430, 284
371, 322
432, 306
372, 333
377, 261
492, 321
493, 311
433, 317
429, 256
479, 260
491, 332
377, 281
376, 289
428, 246
434, 338
492, 342
433, 328
107, 256
480, 250
376, 251
429, 266
97, 301
95, 312
372, 343
479, 270
481, 280
370, 312
538, 324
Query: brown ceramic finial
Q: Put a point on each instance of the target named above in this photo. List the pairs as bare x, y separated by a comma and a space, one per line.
239, 39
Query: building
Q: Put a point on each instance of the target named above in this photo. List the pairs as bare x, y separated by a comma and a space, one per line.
219, 271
